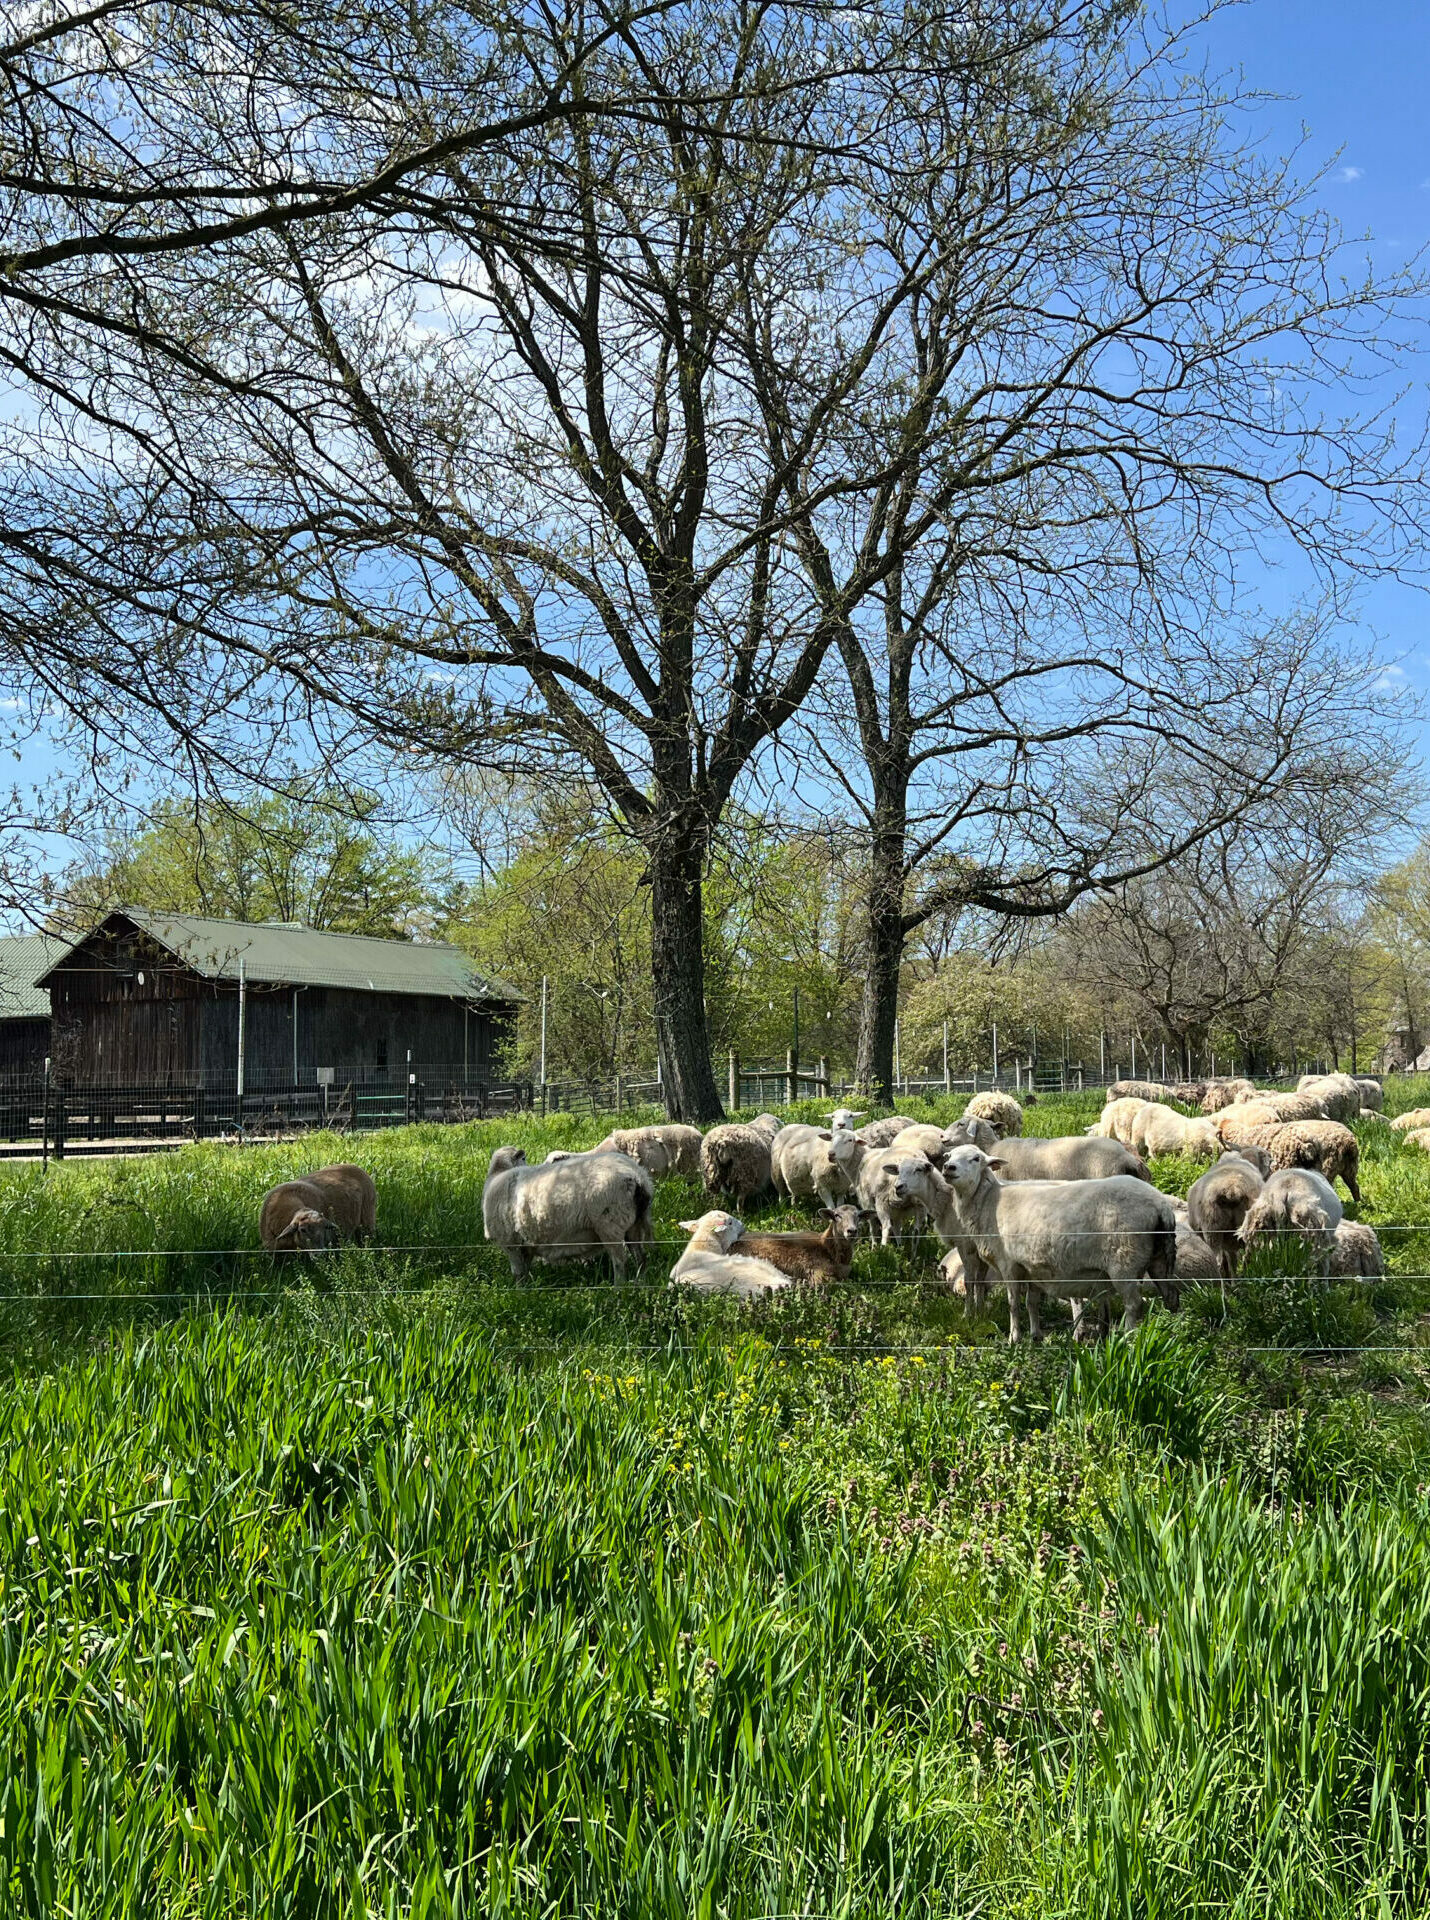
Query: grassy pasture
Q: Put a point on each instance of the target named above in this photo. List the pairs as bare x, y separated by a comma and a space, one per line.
429, 1595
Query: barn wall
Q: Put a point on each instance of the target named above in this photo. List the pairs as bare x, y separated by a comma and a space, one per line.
23, 1045
361, 1036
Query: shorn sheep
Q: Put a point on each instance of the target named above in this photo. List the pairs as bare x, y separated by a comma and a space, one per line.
319, 1211
1141, 1090
815, 1160
1117, 1118
919, 1138
1071, 1156
1411, 1122
1163, 1132
735, 1157
1000, 1110
1218, 1203
1372, 1094
1325, 1146
1338, 1094
709, 1264
1296, 1200
889, 1189
668, 1148
568, 1210
814, 1258
1417, 1137
879, 1133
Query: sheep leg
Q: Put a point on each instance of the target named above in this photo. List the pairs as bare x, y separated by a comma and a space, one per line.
1015, 1316
1132, 1307
520, 1262
1086, 1322
1035, 1313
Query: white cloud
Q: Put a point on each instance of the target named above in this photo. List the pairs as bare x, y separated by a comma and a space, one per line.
1346, 176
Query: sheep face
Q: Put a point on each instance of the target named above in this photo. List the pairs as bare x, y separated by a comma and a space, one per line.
847, 1218
911, 1180
843, 1118
505, 1158
309, 1232
964, 1169
722, 1228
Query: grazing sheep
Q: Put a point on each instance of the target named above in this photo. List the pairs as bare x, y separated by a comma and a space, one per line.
1339, 1096
1356, 1252
929, 1141
888, 1187
1195, 1259
1407, 1122
1293, 1106
815, 1160
1417, 1137
1070, 1157
319, 1211
567, 1211
1163, 1131
1069, 1238
735, 1157
1296, 1200
1116, 1119
814, 1258
708, 1264
667, 1148
1323, 1145
1372, 1094
1256, 1157
879, 1133
1224, 1093
1152, 1090
1237, 1124
1218, 1203
1000, 1110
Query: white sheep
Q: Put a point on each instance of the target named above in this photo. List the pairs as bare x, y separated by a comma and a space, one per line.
708, 1264
971, 1131
1411, 1122
888, 1185
1000, 1110
667, 1148
1116, 1120
567, 1211
920, 1138
735, 1157
879, 1133
1070, 1156
1356, 1252
319, 1211
1224, 1093
1195, 1259
1069, 1238
1296, 1200
815, 1160
1372, 1094
1161, 1131
842, 1120
1338, 1095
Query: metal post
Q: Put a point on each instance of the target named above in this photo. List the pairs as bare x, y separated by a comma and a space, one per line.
947, 1083
45, 1118
1134, 1054
1102, 1052
1164, 1063
896, 1057
543, 1033
295, 1036
823, 1081
242, 1014
733, 1090
796, 1043
620, 1094
790, 1091
995, 1053
60, 1124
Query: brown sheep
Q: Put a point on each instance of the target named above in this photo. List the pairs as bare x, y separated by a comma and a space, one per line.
1324, 1146
812, 1257
1223, 1093
319, 1211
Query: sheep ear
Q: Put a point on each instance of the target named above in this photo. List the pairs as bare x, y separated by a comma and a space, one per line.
997, 1165
288, 1232
688, 1226
825, 1134
826, 1213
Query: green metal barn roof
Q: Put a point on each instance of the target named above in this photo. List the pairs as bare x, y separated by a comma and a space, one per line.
281, 953
24, 958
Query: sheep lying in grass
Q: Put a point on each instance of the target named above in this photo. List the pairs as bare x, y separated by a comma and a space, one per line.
1224, 1093
1161, 1131
1072, 1239
1116, 1120
879, 1133
1069, 1157
1325, 1146
1218, 1203
319, 1211
709, 1265
815, 1160
815, 1258
1411, 1122
591, 1203
1295, 1200
1000, 1110
735, 1157
1356, 1253
668, 1148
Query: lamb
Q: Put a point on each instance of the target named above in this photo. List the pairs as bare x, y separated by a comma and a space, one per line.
1000, 1110
1152, 1090
1295, 1200
1338, 1094
879, 1133
889, 1188
708, 1264
1068, 1238
668, 1148
1218, 1203
567, 1211
1406, 1122
1323, 1145
1372, 1094
814, 1258
1116, 1119
319, 1211
810, 1160
1356, 1253
1223, 1093
1163, 1131
735, 1157
1069, 1157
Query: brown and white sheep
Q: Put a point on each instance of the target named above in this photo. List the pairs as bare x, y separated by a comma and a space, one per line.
814, 1258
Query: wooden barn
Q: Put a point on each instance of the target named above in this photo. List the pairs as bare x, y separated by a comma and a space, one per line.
154, 999
24, 1005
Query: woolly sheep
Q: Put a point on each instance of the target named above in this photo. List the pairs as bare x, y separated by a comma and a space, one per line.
1239, 1123
1295, 1200
1163, 1131
1325, 1146
668, 1148
1356, 1252
568, 1211
1218, 1203
1222, 1093
1069, 1157
814, 1258
810, 1160
1000, 1110
1407, 1122
888, 1187
735, 1157
1256, 1157
709, 1265
1417, 1137
1116, 1119
1338, 1094
919, 1138
1069, 1238
1195, 1259
318, 1211
1372, 1093
879, 1133
1141, 1090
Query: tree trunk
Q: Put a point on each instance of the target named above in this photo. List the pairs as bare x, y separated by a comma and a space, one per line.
883, 948
678, 972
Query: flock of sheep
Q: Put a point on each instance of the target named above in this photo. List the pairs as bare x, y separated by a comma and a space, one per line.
1074, 1218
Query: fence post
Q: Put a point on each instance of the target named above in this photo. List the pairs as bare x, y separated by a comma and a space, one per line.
791, 1091
60, 1125
198, 1114
620, 1092
733, 1091
824, 1086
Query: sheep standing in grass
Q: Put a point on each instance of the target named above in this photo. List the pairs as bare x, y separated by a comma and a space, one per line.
1356, 1253
888, 1187
970, 1131
920, 1138
878, 1133
1325, 1146
1000, 1110
709, 1264
1256, 1157
814, 1258
1218, 1203
842, 1120
1195, 1259
735, 1157
1411, 1122
668, 1148
1151, 1090
569, 1210
1161, 1131
319, 1211
1338, 1095
1224, 1093
815, 1160
1296, 1200
1070, 1156
1116, 1120
1372, 1094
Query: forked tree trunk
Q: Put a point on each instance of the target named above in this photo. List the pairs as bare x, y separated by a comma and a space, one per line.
678, 973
